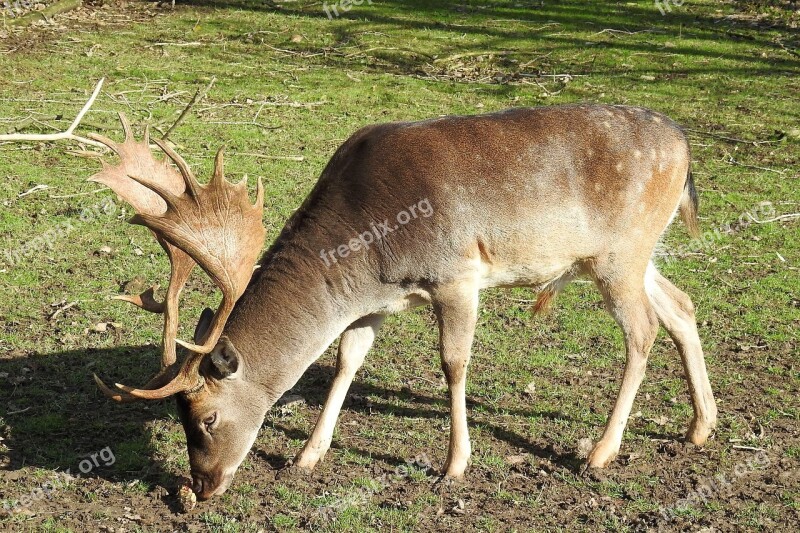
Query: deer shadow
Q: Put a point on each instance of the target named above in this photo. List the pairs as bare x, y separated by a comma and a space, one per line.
55, 418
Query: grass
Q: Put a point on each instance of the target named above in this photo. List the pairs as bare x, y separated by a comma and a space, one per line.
291, 83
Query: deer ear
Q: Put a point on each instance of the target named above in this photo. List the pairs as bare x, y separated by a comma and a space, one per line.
225, 358
202, 325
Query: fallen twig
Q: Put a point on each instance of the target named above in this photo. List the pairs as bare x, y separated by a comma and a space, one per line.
198, 95
732, 161
725, 138
69, 133
775, 219
612, 31
246, 123
61, 309
87, 193
37, 188
281, 157
195, 43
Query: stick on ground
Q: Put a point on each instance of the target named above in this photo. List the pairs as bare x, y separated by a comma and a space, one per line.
69, 134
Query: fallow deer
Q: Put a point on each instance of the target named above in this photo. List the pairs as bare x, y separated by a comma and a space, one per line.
524, 197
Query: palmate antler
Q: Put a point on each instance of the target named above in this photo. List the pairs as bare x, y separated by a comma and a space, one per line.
213, 225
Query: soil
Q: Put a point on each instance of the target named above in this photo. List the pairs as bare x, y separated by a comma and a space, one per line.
550, 476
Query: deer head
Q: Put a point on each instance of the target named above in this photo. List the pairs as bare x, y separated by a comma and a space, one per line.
216, 227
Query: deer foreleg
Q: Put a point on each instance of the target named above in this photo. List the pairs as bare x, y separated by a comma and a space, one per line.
353, 347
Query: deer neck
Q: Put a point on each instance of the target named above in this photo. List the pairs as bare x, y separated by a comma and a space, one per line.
293, 309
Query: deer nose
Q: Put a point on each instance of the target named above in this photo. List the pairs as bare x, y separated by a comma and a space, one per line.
203, 487
207, 485
197, 484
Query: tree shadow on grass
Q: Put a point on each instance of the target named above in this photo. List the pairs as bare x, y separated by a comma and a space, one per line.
558, 26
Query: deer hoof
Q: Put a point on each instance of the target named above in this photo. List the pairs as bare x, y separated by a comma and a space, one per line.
602, 455
293, 471
699, 432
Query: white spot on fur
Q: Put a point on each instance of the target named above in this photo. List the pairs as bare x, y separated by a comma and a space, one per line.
598, 187
657, 120
607, 124
637, 154
619, 167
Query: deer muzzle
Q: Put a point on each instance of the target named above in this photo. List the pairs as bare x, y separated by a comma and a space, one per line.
213, 484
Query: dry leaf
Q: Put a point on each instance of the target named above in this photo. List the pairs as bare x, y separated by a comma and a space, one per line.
102, 327
516, 459
585, 446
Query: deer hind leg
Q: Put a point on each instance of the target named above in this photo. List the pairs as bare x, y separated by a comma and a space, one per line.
353, 347
676, 313
456, 308
628, 303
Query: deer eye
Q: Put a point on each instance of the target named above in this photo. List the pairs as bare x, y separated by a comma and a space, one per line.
209, 421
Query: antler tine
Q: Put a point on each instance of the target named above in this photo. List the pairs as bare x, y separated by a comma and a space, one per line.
104, 140
164, 193
179, 384
188, 177
126, 127
144, 300
170, 380
218, 177
187, 378
182, 266
117, 396
217, 323
259, 205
